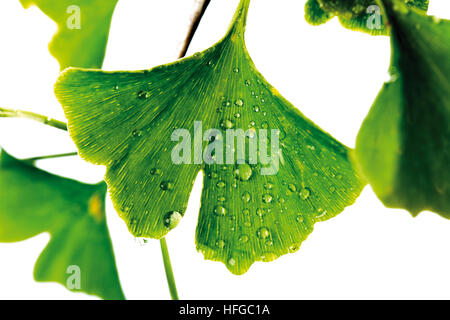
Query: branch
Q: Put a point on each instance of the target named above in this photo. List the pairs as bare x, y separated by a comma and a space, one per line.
195, 22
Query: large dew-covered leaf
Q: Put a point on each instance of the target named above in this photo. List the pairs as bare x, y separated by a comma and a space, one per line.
403, 147
251, 210
79, 254
361, 15
83, 28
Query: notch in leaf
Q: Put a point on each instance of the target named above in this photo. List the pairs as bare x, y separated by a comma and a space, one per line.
360, 15
79, 254
83, 29
404, 143
133, 122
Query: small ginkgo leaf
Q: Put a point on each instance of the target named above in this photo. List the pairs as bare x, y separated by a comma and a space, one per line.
360, 15
155, 130
83, 29
79, 254
403, 146
314, 14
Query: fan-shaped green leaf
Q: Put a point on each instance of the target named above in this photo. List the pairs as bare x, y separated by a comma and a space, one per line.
33, 201
128, 120
361, 15
403, 146
83, 28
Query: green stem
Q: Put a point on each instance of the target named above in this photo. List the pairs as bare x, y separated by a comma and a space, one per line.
71, 154
168, 269
9, 113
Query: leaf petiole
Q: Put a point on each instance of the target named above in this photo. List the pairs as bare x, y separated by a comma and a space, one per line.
168, 268
10, 113
53, 156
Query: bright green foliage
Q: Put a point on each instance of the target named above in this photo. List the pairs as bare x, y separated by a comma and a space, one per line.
361, 15
314, 14
403, 146
125, 120
83, 28
33, 201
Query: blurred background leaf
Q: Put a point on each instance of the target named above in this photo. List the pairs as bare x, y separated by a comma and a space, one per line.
83, 29
360, 15
33, 201
403, 147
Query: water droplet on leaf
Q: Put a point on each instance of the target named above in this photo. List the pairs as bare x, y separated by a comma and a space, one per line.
246, 197
305, 193
226, 124
260, 212
143, 95
166, 185
155, 172
267, 198
172, 219
243, 172
243, 238
220, 244
220, 211
263, 233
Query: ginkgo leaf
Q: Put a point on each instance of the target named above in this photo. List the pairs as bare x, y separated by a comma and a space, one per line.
83, 28
361, 15
136, 123
79, 254
403, 146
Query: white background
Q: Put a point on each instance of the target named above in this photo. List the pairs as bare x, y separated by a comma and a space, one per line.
331, 74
